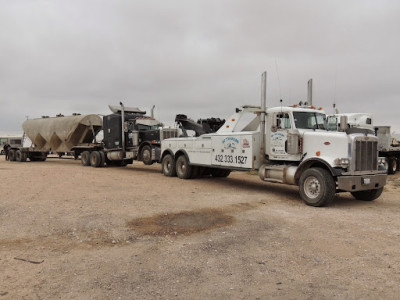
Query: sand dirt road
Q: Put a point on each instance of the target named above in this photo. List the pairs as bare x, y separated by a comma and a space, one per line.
73, 232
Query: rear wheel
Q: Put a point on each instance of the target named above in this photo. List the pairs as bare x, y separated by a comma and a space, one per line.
368, 195
95, 159
146, 155
103, 158
183, 168
317, 187
168, 166
85, 158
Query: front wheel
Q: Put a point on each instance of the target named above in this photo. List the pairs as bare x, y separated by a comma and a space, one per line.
317, 187
146, 155
168, 166
368, 195
183, 168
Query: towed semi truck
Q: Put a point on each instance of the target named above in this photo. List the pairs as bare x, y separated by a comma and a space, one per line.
128, 135
288, 145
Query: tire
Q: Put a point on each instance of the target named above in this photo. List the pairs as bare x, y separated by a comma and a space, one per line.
392, 165
85, 158
95, 159
11, 155
183, 168
24, 156
317, 187
146, 155
103, 158
18, 155
368, 195
168, 166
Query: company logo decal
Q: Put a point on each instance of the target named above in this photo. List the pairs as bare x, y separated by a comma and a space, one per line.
230, 143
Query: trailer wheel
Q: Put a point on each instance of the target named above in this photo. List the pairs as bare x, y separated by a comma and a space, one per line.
85, 158
24, 157
393, 165
317, 187
183, 168
368, 195
18, 155
95, 159
11, 155
168, 166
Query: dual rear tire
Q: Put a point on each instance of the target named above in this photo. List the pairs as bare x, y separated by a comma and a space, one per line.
95, 159
184, 170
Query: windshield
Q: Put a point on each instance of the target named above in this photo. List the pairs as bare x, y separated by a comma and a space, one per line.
146, 127
309, 120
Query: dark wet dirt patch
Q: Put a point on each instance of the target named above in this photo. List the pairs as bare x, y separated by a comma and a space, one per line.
186, 222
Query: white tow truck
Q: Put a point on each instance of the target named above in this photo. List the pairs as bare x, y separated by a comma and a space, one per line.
288, 145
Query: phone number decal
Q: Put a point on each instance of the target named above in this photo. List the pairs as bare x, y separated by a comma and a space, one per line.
231, 159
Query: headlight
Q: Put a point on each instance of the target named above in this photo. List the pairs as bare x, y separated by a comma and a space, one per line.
343, 162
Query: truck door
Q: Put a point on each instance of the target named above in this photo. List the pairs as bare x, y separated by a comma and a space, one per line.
279, 130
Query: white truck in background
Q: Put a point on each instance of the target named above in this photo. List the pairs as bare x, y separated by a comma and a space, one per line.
288, 145
353, 120
388, 146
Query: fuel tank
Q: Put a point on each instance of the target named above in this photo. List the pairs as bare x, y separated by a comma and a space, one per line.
60, 134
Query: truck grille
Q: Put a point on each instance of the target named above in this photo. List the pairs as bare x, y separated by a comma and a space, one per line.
169, 133
366, 155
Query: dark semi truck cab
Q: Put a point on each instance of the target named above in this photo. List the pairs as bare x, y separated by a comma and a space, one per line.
128, 135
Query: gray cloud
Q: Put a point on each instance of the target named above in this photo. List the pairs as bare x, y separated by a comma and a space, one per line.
202, 58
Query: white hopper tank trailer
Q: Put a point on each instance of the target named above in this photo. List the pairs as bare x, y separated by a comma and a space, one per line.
288, 145
56, 134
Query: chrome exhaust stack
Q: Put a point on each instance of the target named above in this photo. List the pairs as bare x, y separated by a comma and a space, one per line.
123, 129
263, 112
309, 92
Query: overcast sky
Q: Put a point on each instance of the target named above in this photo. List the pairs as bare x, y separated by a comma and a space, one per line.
201, 58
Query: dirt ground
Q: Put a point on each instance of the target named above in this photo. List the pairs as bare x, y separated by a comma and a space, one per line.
74, 232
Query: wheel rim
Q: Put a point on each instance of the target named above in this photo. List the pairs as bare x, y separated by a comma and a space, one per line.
167, 165
394, 165
182, 167
312, 187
